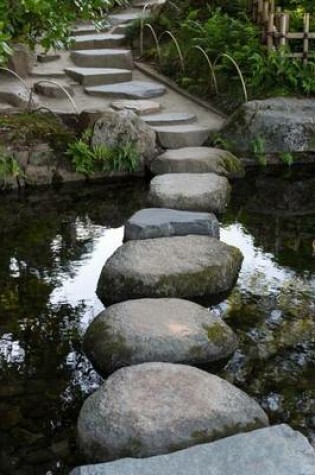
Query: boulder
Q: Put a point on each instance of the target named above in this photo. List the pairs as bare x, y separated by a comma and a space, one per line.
160, 222
282, 124
190, 191
198, 160
157, 408
277, 450
122, 128
147, 330
194, 267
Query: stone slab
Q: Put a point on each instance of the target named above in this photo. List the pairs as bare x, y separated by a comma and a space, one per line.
148, 330
96, 76
198, 160
86, 29
52, 90
277, 450
97, 41
199, 268
140, 107
162, 222
132, 90
179, 136
170, 118
155, 408
121, 18
190, 191
103, 58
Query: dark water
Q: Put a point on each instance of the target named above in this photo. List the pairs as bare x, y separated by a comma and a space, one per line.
53, 245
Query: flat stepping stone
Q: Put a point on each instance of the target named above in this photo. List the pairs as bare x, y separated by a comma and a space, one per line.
198, 160
161, 222
121, 18
179, 136
157, 408
96, 76
48, 74
97, 41
47, 58
277, 450
140, 107
52, 90
103, 58
199, 268
170, 118
87, 29
190, 191
132, 90
120, 29
147, 330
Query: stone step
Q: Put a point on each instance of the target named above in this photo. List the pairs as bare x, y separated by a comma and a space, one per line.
162, 222
157, 408
52, 90
48, 73
131, 90
150, 3
121, 18
166, 330
97, 41
277, 450
170, 118
96, 76
120, 29
179, 136
190, 191
87, 29
198, 160
191, 267
140, 107
103, 58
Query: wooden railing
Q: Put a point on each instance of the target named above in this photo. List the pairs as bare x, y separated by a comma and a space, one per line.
276, 28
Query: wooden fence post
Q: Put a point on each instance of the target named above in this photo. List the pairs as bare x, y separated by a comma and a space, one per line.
270, 32
306, 37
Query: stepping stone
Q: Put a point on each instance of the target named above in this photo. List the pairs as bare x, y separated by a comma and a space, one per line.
199, 268
121, 18
190, 191
96, 76
170, 118
47, 58
52, 90
148, 330
120, 29
15, 96
198, 160
48, 74
157, 408
160, 222
277, 450
132, 90
140, 107
179, 136
103, 58
97, 41
87, 29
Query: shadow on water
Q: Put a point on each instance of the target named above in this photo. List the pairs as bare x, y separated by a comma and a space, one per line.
53, 246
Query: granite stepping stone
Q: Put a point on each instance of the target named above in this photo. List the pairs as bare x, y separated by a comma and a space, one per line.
277, 450
87, 29
156, 408
169, 330
161, 222
179, 136
121, 18
198, 268
103, 58
170, 118
97, 40
140, 107
198, 160
52, 90
96, 76
190, 191
132, 90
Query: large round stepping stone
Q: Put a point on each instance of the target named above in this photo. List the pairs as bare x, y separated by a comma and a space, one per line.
190, 191
157, 408
145, 330
277, 450
179, 136
162, 222
194, 267
198, 160
131, 90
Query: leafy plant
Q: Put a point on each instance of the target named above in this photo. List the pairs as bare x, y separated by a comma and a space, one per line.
287, 158
8, 166
259, 151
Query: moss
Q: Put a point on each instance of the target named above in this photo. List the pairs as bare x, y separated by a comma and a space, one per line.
28, 128
233, 165
216, 334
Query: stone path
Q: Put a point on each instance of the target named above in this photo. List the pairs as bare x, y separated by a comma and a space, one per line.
157, 407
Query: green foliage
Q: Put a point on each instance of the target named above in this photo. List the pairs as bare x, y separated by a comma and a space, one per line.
8, 166
287, 158
89, 159
5, 49
259, 151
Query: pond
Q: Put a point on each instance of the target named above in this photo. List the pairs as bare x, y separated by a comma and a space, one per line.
53, 245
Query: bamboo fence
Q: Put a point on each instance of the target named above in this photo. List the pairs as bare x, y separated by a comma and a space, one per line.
276, 28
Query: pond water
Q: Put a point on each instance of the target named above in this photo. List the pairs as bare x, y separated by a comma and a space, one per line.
53, 246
